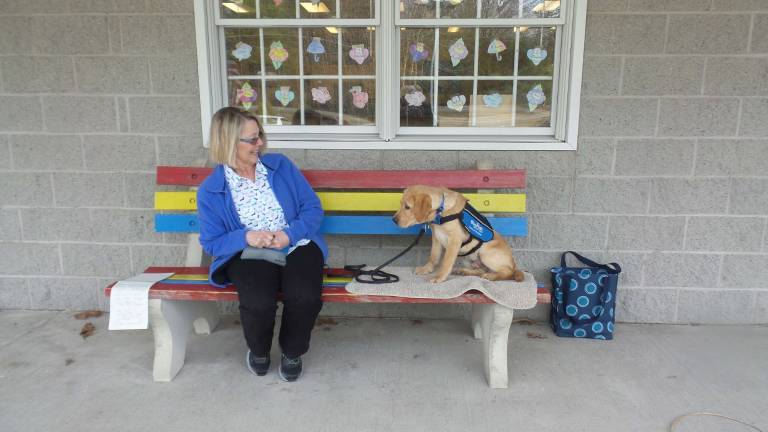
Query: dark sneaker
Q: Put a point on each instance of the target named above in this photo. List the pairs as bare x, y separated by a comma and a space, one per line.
257, 365
290, 368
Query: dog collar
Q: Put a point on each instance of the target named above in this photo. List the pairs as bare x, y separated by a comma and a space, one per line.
440, 208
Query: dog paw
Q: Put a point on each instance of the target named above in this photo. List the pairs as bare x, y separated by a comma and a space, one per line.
425, 269
438, 279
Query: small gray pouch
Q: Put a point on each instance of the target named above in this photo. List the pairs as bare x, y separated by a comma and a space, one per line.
271, 255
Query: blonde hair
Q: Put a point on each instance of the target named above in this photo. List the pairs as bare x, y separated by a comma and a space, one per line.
225, 134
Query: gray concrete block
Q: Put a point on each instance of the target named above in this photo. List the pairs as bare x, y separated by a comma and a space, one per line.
601, 76
171, 6
568, 232
740, 5
646, 233
692, 34
183, 151
737, 76
625, 34
631, 263
14, 293
57, 224
535, 163
166, 115
29, 259
113, 75
618, 116
724, 234
335, 257
749, 196
419, 160
140, 190
122, 114
297, 156
732, 157
119, 153
10, 225
157, 255
158, 34
646, 305
681, 270
20, 113
610, 195
55, 34
88, 190
377, 256
57, 6
744, 271
175, 238
96, 260
675, 6
5, 153
343, 159
174, 75
715, 307
549, 194
127, 6
113, 25
73, 294
124, 226
754, 111
688, 196
354, 241
606, 6
594, 156
654, 157
47, 152
23, 74
80, 113
759, 42
538, 263
698, 116
760, 314
663, 75
26, 189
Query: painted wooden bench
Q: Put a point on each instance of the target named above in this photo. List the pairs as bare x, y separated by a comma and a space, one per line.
186, 301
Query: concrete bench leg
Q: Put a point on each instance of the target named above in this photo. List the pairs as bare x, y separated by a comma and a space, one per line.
493, 321
171, 322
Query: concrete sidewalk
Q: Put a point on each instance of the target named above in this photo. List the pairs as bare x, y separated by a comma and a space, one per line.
382, 375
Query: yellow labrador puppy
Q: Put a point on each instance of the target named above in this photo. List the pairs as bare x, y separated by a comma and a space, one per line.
491, 259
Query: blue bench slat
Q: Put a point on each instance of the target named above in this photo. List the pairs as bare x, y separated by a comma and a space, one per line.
185, 223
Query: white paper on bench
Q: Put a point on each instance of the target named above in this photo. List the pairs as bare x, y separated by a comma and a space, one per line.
129, 301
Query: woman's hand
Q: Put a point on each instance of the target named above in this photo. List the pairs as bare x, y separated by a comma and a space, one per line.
280, 240
260, 239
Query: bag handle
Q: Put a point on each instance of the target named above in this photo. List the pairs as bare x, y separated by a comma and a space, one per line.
616, 269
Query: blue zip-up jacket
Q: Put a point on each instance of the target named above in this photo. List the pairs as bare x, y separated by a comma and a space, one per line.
222, 235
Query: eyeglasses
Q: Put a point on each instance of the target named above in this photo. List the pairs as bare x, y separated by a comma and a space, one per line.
252, 141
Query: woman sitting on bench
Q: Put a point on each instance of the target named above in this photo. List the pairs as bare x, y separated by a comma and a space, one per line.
262, 201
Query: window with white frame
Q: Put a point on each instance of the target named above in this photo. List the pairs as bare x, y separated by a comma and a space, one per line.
414, 74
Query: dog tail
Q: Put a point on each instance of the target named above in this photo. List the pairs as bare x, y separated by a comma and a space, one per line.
518, 276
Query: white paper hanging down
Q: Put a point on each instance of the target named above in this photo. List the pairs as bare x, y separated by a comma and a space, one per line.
129, 301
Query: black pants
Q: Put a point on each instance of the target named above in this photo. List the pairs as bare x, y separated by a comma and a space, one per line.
258, 282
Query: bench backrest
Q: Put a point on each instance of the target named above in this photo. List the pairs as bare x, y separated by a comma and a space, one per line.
363, 202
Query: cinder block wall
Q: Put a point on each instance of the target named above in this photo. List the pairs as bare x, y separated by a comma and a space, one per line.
670, 178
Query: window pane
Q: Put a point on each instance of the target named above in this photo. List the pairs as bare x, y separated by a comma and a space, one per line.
453, 99
537, 46
499, 9
358, 8
457, 50
317, 8
234, 9
414, 9
278, 8
458, 9
416, 103
534, 99
282, 51
283, 102
416, 56
494, 103
321, 48
358, 51
243, 51
321, 102
359, 102
497, 52
541, 8
246, 94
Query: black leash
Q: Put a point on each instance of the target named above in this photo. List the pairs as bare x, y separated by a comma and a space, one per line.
377, 275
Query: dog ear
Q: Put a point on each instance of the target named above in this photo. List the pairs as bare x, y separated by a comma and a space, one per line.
422, 207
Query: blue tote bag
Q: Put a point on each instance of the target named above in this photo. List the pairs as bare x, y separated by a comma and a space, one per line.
584, 300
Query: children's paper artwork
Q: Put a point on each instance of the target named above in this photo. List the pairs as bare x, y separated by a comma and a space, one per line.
246, 95
422, 2
359, 97
456, 103
415, 98
455, 2
242, 51
316, 48
536, 55
492, 100
495, 47
277, 54
535, 97
418, 52
321, 95
277, 2
458, 51
359, 53
285, 95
